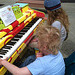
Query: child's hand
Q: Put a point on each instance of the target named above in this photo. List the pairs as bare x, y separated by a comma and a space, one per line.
39, 54
2, 60
45, 18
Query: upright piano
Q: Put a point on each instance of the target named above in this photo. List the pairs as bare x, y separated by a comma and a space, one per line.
15, 37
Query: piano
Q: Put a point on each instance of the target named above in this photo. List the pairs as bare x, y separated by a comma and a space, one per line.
15, 37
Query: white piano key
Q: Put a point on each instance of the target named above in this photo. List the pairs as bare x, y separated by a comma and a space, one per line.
16, 38
19, 34
5, 49
22, 32
3, 56
13, 41
10, 45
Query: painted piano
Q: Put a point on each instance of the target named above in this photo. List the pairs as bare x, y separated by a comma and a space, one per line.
15, 37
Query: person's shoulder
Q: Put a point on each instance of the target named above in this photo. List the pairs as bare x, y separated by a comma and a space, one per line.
57, 24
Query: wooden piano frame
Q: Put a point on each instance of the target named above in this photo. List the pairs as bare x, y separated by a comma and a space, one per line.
33, 3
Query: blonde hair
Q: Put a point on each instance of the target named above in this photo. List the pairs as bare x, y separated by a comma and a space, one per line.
60, 15
50, 36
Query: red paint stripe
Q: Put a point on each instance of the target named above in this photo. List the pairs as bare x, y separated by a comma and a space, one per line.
10, 59
32, 17
17, 51
21, 9
17, 29
5, 30
14, 24
30, 13
55, 6
26, 16
28, 37
29, 8
51, 8
7, 39
39, 14
29, 40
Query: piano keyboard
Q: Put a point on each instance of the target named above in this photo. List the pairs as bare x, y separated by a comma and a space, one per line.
12, 46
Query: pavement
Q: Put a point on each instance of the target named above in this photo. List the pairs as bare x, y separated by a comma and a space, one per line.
69, 45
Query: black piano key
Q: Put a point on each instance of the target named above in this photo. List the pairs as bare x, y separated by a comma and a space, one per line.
27, 28
19, 35
11, 43
24, 29
29, 25
14, 40
4, 51
7, 47
22, 32
1, 56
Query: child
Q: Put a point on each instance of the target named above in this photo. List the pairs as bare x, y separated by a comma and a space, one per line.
57, 17
49, 61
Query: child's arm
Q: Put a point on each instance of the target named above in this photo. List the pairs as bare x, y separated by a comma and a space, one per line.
13, 69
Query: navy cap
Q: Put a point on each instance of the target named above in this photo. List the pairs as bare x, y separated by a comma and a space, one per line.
52, 4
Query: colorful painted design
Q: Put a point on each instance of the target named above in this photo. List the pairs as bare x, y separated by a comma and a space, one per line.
1, 24
14, 24
7, 38
23, 6
13, 33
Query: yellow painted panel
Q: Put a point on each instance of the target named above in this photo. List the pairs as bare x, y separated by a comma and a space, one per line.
5, 40
24, 16
29, 19
9, 27
3, 70
25, 9
2, 34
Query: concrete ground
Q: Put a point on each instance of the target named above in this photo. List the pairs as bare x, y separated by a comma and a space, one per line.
69, 45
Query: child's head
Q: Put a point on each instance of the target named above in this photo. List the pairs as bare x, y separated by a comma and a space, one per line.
48, 39
56, 12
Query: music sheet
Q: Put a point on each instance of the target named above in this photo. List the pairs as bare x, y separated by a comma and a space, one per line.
7, 15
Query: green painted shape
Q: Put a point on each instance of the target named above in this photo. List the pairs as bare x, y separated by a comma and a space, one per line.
1, 24
17, 12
